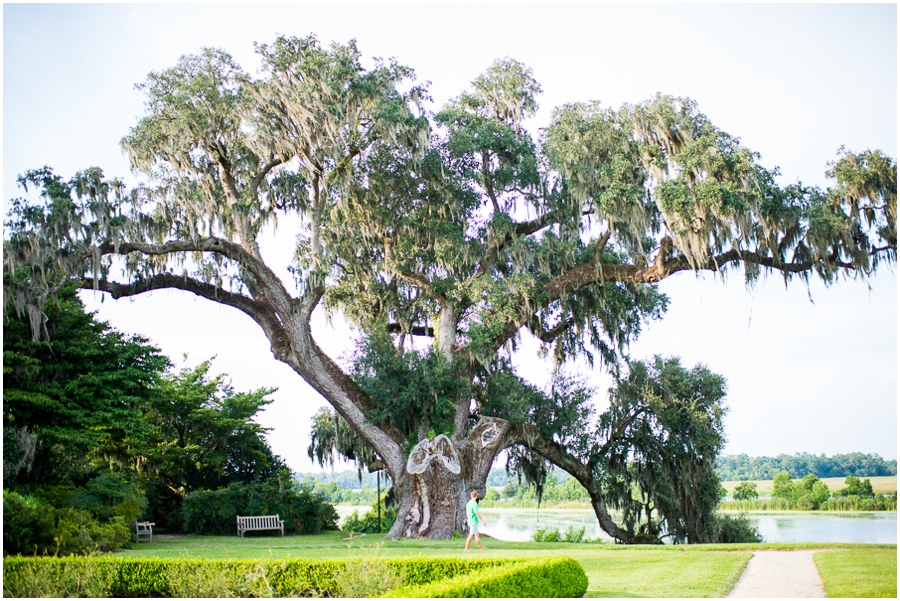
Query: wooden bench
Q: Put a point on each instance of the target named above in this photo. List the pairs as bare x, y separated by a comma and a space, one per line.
143, 530
259, 522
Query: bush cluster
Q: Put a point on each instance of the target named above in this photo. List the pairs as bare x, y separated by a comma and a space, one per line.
369, 522
536, 578
117, 577
32, 526
733, 529
571, 535
215, 511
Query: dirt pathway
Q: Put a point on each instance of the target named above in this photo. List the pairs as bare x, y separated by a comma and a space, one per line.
780, 574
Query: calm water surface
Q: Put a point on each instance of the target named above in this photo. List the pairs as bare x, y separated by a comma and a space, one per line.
521, 524
851, 527
776, 527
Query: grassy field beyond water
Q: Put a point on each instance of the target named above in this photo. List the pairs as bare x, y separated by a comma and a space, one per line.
882, 485
612, 570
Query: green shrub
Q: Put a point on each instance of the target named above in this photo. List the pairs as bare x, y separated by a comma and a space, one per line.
28, 525
426, 570
142, 578
215, 512
805, 503
369, 523
110, 495
33, 527
57, 495
368, 577
121, 577
57, 577
857, 488
78, 533
733, 529
867, 504
546, 536
574, 536
192, 578
571, 535
543, 577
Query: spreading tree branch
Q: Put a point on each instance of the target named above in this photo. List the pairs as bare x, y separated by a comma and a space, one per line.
259, 177
257, 310
595, 272
270, 284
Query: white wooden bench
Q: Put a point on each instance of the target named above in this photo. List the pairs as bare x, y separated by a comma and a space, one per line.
143, 530
259, 522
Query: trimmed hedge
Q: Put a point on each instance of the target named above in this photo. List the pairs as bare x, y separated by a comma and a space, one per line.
543, 577
118, 577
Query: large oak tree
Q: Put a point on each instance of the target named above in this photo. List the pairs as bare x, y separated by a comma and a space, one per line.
460, 227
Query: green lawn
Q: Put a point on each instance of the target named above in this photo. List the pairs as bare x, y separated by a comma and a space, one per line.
661, 573
612, 570
859, 573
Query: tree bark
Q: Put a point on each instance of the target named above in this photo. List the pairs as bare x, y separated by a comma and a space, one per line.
433, 500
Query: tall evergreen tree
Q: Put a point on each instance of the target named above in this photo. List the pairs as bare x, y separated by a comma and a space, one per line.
75, 400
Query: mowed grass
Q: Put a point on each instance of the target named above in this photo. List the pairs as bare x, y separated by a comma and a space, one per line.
661, 572
882, 485
859, 573
612, 570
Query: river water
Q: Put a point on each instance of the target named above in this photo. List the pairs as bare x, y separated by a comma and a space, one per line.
775, 527
827, 527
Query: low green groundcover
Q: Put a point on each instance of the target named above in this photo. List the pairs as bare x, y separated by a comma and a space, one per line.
420, 577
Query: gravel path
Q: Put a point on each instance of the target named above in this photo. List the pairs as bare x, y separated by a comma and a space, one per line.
780, 574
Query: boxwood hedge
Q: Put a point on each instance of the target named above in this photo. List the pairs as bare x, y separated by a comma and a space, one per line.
121, 577
542, 577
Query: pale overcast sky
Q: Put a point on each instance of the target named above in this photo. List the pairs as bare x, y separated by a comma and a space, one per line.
808, 370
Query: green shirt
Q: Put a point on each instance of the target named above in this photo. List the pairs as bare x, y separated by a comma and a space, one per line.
472, 512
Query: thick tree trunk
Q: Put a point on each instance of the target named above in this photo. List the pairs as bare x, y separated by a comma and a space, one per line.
437, 480
430, 504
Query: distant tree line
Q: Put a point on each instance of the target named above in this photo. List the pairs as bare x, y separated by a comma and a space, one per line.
335, 493
499, 476
352, 479
743, 467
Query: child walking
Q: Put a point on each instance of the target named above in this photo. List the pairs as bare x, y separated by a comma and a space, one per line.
474, 519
